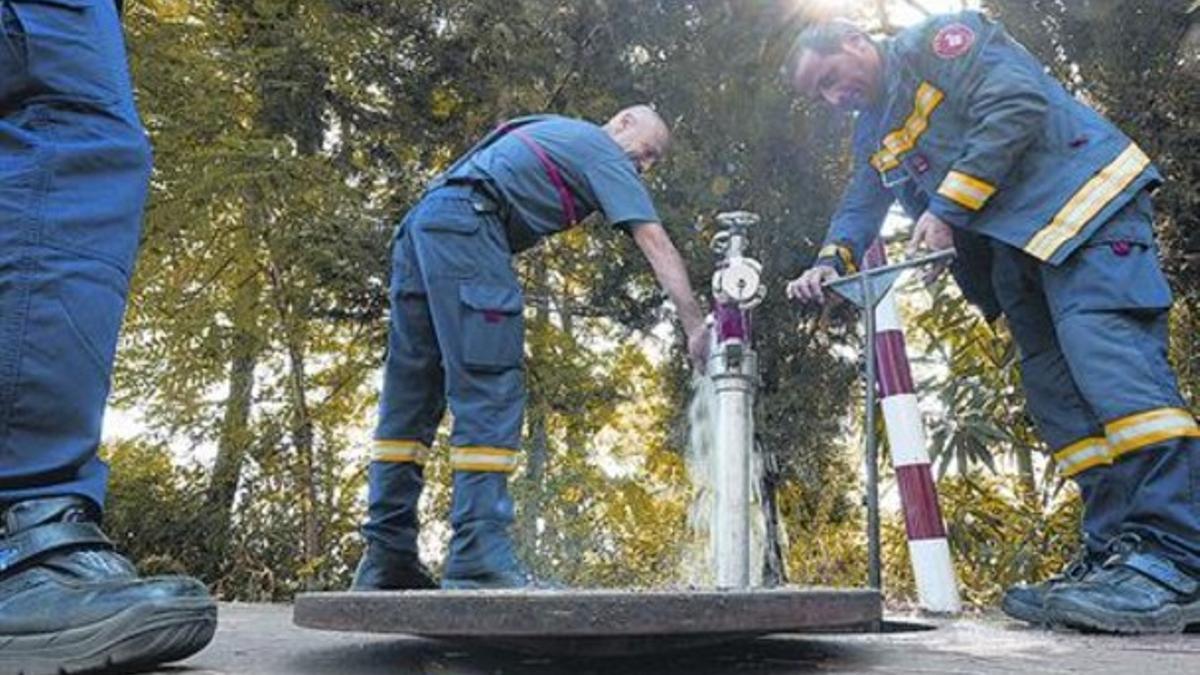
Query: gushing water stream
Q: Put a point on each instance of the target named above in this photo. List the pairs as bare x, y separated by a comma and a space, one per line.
699, 557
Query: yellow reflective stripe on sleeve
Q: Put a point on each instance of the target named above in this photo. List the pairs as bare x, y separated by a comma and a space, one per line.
966, 190
1083, 455
900, 141
843, 253
399, 452
1088, 201
478, 458
1147, 428
884, 161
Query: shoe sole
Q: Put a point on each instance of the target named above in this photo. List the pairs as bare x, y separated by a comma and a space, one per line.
1169, 619
144, 635
483, 586
1022, 611
423, 585
448, 585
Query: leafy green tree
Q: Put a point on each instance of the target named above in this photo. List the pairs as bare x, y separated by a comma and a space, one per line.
290, 134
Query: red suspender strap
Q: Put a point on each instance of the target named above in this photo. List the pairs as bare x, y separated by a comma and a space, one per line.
556, 179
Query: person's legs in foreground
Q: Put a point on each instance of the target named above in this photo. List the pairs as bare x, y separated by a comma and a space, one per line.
74, 166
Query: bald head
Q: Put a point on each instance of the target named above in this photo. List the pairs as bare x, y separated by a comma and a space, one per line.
641, 133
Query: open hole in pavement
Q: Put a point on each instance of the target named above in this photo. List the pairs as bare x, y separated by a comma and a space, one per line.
905, 626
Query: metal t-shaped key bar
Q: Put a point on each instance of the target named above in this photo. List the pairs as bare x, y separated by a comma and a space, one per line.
865, 290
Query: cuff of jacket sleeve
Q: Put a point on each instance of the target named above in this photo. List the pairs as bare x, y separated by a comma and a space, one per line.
831, 261
839, 257
966, 190
952, 213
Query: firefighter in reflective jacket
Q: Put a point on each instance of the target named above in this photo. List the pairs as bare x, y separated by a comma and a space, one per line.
457, 331
1048, 205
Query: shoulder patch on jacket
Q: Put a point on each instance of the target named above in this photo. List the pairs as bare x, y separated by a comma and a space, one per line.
953, 41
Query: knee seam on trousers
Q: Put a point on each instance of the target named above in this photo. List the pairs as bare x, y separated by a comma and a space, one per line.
25, 266
399, 451
1082, 455
484, 458
1134, 432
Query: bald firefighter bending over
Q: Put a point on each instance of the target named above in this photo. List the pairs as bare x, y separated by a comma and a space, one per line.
457, 330
1048, 205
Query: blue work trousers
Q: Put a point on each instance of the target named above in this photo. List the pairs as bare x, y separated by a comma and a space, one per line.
1092, 333
456, 335
74, 168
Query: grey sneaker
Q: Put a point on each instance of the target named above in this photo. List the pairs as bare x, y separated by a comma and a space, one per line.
1027, 602
1136, 591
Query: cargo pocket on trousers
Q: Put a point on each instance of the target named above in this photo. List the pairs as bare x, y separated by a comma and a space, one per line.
493, 329
70, 51
1117, 269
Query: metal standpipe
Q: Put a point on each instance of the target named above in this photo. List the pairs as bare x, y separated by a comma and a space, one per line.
733, 367
731, 468
871, 456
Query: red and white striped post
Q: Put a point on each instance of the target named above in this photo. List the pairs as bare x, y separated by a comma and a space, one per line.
937, 584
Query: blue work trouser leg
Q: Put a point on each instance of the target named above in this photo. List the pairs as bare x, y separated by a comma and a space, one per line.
457, 337
1109, 301
74, 166
1064, 420
457, 333
477, 309
411, 407
475, 305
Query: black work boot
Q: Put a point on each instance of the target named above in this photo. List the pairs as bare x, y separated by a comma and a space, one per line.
70, 604
1027, 602
382, 569
389, 561
481, 553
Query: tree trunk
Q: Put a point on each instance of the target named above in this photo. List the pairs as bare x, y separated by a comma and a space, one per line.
1025, 475
302, 438
539, 439
774, 569
301, 426
231, 450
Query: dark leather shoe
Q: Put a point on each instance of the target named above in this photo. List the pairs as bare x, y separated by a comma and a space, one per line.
382, 569
1136, 591
481, 554
1027, 602
514, 577
488, 562
69, 603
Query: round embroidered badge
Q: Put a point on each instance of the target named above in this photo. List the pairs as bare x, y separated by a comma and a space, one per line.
953, 41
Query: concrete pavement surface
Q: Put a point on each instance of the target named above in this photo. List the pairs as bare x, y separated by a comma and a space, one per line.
261, 640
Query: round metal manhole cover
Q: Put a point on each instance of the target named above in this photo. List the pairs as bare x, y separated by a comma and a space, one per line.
592, 621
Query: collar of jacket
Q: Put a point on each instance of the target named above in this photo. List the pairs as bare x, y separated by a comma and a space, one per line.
893, 76
880, 113
892, 68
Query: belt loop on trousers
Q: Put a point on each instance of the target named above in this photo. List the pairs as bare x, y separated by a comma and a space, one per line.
519, 237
